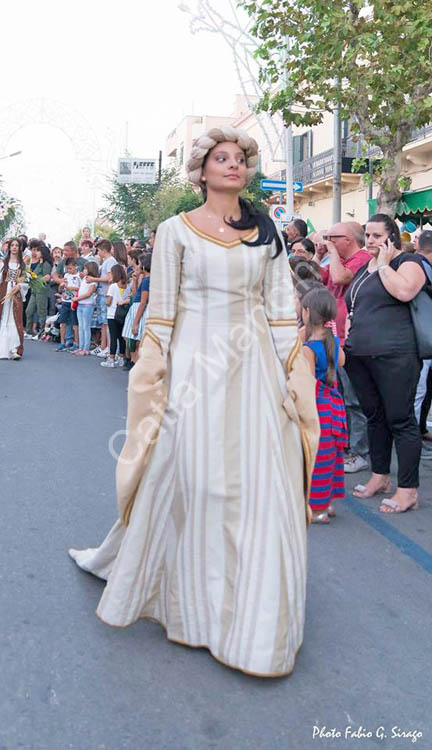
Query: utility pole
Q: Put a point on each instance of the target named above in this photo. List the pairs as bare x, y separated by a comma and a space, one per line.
160, 168
337, 165
288, 144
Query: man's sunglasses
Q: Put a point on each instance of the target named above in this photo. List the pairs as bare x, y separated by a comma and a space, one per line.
334, 237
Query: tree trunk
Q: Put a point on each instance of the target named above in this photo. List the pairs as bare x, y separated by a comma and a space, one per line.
389, 192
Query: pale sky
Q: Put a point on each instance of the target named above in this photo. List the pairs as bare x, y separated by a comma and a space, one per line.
98, 64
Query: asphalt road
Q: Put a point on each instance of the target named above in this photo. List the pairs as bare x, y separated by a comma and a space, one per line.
69, 682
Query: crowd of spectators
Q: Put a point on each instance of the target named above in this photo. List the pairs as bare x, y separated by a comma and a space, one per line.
94, 296
373, 275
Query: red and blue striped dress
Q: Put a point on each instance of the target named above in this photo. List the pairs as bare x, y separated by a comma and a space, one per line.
328, 479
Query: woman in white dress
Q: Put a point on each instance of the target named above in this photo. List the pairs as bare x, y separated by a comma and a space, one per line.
12, 293
212, 481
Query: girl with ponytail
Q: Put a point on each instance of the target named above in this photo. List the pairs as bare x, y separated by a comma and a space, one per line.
323, 351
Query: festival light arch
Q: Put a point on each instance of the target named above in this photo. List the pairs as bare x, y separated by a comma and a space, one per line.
55, 114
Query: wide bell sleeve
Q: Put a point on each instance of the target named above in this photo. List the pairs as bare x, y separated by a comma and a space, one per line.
300, 404
148, 387
24, 287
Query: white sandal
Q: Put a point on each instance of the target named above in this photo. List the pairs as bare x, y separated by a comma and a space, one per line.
388, 502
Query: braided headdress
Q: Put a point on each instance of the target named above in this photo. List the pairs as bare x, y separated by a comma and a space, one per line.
202, 145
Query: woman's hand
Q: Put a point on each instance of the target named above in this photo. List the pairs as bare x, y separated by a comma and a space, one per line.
134, 330
386, 253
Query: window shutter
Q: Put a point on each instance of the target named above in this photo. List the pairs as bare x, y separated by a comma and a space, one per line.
309, 144
297, 149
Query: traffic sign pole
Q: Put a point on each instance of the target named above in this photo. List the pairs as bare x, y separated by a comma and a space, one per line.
288, 145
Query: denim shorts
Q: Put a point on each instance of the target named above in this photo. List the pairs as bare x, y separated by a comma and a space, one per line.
101, 304
67, 315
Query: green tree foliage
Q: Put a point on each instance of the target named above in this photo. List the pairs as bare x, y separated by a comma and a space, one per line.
256, 194
132, 207
373, 58
11, 215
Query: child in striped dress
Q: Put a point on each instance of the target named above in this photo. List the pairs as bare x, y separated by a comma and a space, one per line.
323, 351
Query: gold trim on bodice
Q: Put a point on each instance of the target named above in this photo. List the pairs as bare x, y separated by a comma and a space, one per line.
216, 240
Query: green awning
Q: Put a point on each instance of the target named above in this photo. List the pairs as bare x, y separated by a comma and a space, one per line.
413, 202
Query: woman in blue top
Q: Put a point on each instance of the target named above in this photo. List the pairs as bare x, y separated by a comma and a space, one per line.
133, 329
322, 350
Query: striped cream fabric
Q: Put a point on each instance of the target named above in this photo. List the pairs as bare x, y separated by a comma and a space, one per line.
212, 537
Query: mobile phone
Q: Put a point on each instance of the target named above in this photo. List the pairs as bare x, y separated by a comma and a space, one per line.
391, 238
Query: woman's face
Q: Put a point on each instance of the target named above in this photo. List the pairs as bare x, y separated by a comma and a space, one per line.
56, 254
299, 251
225, 168
375, 235
14, 248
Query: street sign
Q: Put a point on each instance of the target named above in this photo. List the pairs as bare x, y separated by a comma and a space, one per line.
280, 185
136, 171
279, 214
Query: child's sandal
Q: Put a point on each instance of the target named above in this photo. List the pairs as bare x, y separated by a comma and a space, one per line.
320, 516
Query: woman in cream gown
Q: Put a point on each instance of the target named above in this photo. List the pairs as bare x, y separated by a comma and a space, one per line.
212, 481
12, 296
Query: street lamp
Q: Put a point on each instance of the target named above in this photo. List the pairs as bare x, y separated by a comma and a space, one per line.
9, 156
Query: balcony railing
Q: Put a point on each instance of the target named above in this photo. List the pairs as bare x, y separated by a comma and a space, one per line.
320, 167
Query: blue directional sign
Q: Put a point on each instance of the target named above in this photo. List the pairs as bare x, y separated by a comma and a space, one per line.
275, 185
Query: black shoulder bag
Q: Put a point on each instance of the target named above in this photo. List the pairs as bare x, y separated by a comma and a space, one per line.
421, 315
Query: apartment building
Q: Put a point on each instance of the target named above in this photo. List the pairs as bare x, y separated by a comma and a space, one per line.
313, 165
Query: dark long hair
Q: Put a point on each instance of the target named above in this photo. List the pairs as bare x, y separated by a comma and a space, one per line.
92, 268
322, 309
21, 261
252, 218
118, 274
119, 252
391, 227
46, 255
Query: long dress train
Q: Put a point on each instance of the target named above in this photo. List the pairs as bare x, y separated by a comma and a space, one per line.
11, 313
213, 479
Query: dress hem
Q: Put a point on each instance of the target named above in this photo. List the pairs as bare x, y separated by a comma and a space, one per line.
201, 645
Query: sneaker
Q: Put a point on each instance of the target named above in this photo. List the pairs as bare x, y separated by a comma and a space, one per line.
27, 335
108, 363
60, 348
119, 362
35, 337
127, 365
103, 353
96, 350
73, 348
354, 463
